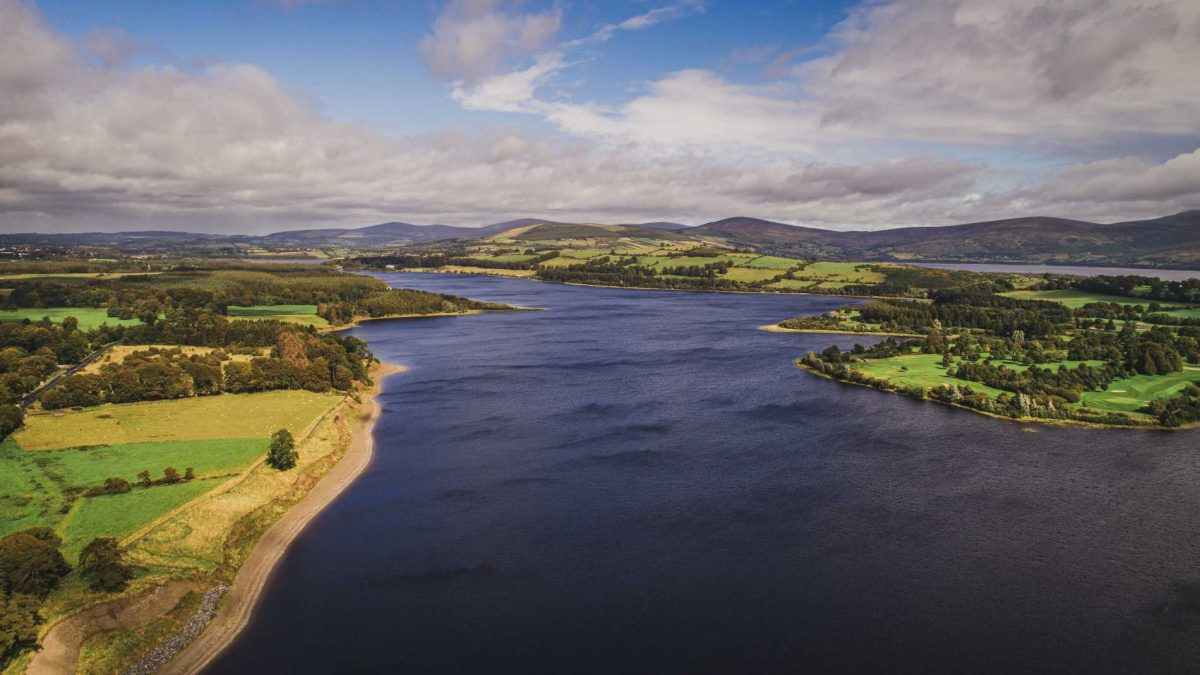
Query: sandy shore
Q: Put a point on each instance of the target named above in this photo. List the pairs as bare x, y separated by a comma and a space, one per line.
239, 603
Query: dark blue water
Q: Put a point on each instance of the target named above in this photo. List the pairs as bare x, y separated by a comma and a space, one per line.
639, 481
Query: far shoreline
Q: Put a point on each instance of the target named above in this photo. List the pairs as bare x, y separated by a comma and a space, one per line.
238, 605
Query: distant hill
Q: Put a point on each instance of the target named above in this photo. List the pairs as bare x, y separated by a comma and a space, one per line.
1164, 242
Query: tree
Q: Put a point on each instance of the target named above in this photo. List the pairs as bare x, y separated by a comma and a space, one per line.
189, 474
144, 479
282, 454
30, 562
18, 623
11, 418
100, 565
171, 476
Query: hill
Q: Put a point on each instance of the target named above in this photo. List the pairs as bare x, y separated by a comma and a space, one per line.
1170, 241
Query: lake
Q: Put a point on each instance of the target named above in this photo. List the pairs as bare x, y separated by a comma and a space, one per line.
642, 481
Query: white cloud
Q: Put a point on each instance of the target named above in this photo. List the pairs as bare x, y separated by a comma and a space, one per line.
229, 149
474, 39
1071, 75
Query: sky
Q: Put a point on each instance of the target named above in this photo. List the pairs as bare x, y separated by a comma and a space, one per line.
252, 116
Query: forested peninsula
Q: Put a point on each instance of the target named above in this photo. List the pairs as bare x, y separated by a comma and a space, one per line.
1102, 350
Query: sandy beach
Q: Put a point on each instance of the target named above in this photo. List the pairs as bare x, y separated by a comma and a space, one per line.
239, 603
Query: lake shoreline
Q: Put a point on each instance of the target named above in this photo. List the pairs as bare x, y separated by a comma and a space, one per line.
239, 603
1046, 421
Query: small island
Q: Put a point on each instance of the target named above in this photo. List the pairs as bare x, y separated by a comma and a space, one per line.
1101, 350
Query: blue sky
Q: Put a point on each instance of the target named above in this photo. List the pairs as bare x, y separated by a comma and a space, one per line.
313, 47
254, 115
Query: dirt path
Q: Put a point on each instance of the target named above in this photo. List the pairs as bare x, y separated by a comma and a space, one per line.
60, 648
238, 605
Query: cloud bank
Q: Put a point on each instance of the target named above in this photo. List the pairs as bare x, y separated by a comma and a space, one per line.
87, 144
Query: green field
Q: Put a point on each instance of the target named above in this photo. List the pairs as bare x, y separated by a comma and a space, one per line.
750, 274
845, 272
771, 262
1131, 393
89, 317
34, 485
921, 370
1074, 299
1193, 313
46, 462
790, 283
202, 417
926, 370
512, 257
301, 314
121, 515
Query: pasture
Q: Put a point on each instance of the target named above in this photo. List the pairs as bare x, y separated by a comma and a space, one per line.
750, 274
88, 317
1073, 298
188, 419
844, 272
48, 469
305, 315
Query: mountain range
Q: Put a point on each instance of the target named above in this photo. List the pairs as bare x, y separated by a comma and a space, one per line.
1169, 241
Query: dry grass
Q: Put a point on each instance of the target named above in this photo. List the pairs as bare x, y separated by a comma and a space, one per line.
225, 416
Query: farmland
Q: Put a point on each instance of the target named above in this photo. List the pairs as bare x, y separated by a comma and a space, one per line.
1073, 298
189, 419
89, 317
305, 315
48, 468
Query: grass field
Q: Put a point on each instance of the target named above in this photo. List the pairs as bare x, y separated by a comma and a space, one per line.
921, 370
771, 262
750, 274
461, 269
1131, 393
121, 515
845, 272
47, 461
926, 370
301, 314
189, 419
790, 283
89, 317
1072, 298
